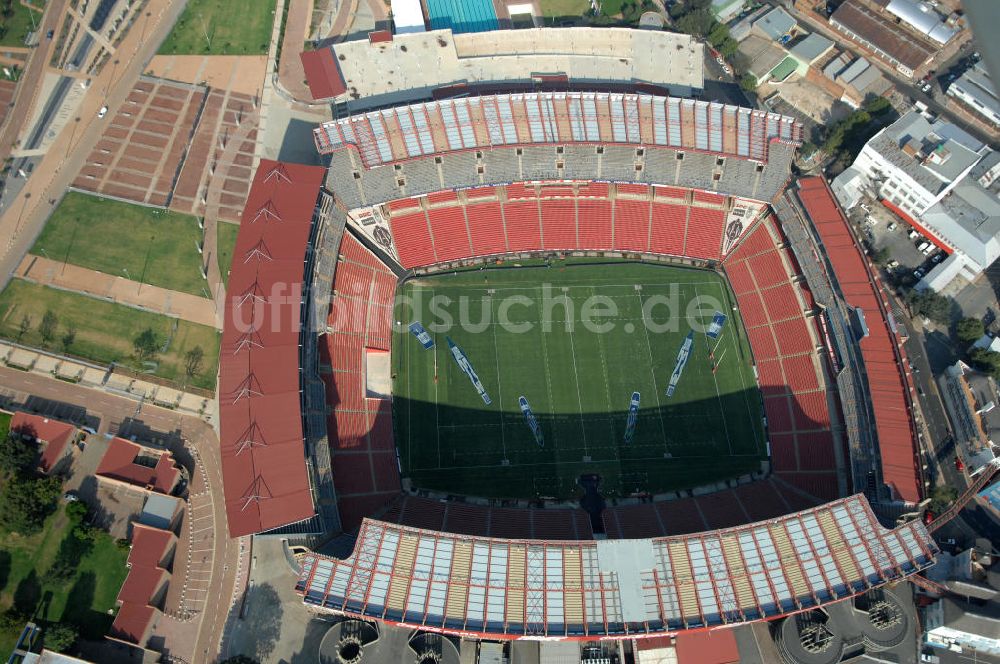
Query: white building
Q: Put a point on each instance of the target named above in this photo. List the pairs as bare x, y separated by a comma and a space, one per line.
976, 91
939, 179
957, 625
408, 16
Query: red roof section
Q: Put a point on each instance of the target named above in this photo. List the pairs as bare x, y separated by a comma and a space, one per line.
52, 433
119, 464
322, 73
714, 647
132, 622
141, 584
149, 545
887, 379
263, 456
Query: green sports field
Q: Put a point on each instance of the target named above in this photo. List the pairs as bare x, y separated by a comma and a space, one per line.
626, 324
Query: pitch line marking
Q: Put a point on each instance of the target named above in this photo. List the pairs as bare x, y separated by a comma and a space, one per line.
496, 355
743, 383
606, 376
548, 387
437, 406
718, 396
652, 372
492, 466
579, 399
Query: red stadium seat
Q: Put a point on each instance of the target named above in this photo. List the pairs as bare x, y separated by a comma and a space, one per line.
559, 224
451, 235
632, 225
669, 224
523, 229
594, 224
413, 239
486, 229
704, 233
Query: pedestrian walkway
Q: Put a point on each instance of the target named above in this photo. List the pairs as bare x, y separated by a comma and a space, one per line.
118, 289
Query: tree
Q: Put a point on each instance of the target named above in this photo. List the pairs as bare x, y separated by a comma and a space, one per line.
60, 637
697, 22
718, 34
969, 330
728, 47
193, 361
986, 360
47, 328
881, 255
145, 345
76, 511
930, 305
941, 498
876, 106
23, 328
17, 455
748, 82
25, 503
68, 337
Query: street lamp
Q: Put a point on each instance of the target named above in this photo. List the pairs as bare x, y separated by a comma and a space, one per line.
17, 228
114, 69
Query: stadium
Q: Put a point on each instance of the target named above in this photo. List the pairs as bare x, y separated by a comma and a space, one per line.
743, 452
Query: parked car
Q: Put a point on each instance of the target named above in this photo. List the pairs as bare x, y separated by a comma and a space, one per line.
892, 226
48, 35
918, 273
104, 111
926, 88
937, 258
892, 265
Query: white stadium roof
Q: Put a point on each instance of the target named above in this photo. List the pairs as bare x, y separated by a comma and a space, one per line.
614, 588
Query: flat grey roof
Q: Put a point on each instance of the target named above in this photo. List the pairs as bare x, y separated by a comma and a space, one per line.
811, 47
775, 23
417, 63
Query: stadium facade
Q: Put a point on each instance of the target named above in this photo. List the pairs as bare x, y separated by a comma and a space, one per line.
305, 451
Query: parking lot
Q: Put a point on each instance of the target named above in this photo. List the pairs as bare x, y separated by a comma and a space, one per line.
908, 263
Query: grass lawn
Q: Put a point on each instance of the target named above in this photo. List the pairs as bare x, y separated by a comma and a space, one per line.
13, 30
104, 331
4, 425
560, 8
155, 246
577, 382
84, 599
225, 234
234, 27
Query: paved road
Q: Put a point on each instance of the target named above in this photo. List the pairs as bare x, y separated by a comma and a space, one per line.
199, 436
22, 220
31, 79
973, 521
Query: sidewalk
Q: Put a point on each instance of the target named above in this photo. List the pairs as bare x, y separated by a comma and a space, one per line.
118, 289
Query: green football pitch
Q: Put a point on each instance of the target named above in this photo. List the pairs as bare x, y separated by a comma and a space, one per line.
576, 340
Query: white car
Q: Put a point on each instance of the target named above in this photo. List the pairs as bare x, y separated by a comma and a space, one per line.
892, 226
926, 88
104, 111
